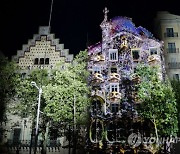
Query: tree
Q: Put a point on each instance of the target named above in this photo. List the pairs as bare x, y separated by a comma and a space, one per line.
62, 86
8, 83
66, 95
66, 87
8, 78
26, 96
176, 88
158, 103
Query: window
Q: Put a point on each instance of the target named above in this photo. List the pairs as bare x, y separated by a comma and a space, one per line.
173, 60
135, 54
16, 135
96, 69
113, 54
176, 77
114, 108
53, 134
36, 61
114, 87
47, 61
171, 47
41, 60
23, 75
153, 51
113, 70
170, 32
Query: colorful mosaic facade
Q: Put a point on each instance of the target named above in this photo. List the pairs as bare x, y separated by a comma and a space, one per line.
112, 64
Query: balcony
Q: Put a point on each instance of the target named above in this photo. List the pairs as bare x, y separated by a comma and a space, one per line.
114, 77
171, 34
99, 93
174, 65
172, 50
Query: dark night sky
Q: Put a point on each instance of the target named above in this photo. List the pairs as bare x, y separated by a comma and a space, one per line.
71, 20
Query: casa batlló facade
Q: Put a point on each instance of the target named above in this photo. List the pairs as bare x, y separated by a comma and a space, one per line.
112, 64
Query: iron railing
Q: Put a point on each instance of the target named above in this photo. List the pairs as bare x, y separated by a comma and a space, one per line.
174, 65
172, 50
175, 34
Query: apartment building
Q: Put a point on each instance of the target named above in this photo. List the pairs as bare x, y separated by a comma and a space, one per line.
167, 28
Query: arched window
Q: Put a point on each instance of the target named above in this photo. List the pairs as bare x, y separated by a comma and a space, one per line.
36, 61
47, 61
41, 60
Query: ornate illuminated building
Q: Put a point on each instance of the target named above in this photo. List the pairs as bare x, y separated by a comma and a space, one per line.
112, 64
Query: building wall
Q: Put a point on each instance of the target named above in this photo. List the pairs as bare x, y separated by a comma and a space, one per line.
43, 51
163, 22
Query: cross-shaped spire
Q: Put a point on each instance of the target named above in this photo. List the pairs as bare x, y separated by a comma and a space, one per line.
105, 13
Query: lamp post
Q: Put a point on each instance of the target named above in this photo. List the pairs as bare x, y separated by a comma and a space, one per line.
38, 113
74, 113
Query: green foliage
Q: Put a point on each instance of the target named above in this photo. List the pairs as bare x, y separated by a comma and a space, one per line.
68, 85
61, 87
8, 83
176, 88
27, 95
157, 99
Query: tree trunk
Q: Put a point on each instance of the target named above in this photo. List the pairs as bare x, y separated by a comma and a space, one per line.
69, 139
45, 137
156, 131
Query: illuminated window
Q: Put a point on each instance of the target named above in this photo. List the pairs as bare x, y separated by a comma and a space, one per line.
113, 54
114, 87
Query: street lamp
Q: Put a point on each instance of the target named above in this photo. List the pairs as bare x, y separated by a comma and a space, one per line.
38, 112
74, 119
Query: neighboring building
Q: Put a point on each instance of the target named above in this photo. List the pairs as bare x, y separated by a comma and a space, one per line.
112, 64
41, 52
167, 28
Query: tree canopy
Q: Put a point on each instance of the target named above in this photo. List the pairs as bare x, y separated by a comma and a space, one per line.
8, 82
68, 89
61, 88
158, 103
